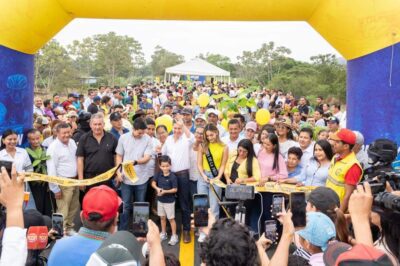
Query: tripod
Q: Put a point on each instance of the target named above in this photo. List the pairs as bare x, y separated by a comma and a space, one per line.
240, 213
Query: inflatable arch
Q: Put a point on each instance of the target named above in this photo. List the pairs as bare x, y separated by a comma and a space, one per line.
365, 32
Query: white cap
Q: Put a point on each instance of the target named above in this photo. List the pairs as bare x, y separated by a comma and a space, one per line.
212, 111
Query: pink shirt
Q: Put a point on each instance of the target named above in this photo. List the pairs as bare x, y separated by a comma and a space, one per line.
266, 162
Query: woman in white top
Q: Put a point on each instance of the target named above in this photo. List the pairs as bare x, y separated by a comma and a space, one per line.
10, 152
283, 129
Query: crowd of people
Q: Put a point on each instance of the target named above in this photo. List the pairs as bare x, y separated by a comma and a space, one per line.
303, 143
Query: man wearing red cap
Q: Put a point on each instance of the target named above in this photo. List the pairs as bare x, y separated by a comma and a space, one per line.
345, 171
99, 218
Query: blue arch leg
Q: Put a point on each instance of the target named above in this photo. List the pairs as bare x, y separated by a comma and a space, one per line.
16, 87
373, 94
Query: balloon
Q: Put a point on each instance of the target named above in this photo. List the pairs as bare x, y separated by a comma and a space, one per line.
263, 116
203, 99
165, 120
224, 123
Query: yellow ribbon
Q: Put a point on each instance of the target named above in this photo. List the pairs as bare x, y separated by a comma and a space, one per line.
127, 167
271, 187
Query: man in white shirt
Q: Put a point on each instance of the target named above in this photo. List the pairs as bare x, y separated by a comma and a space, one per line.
232, 140
306, 145
134, 146
177, 147
63, 163
89, 99
38, 107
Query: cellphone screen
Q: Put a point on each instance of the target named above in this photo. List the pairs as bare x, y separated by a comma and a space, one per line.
276, 205
140, 218
270, 230
200, 210
298, 208
57, 221
7, 165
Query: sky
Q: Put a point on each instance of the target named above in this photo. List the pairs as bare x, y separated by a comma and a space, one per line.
190, 38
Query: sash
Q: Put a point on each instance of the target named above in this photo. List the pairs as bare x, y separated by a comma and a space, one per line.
211, 163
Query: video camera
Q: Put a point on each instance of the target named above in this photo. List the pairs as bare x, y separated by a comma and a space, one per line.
378, 181
386, 200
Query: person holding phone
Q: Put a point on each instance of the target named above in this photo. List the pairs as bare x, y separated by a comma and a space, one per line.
211, 161
99, 217
165, 184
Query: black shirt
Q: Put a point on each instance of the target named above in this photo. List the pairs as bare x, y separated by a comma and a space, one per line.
98, 157
166, 183
93, 108
303, 109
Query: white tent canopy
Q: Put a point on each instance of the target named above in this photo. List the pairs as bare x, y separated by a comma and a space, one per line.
197, 67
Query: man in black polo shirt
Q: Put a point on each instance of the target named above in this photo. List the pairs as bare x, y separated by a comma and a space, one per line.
96, 151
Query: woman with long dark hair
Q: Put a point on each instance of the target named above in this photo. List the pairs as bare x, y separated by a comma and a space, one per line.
272, 164
10, 152
285, 136
315, 172
211, 160
243, 166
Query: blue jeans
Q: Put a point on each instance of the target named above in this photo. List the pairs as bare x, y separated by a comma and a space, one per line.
193, 190
139, 195
204, 188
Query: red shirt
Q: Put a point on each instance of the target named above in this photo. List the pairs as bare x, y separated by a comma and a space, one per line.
353, 175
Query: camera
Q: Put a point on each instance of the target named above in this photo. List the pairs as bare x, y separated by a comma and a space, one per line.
239, 192
386, 200
378, 179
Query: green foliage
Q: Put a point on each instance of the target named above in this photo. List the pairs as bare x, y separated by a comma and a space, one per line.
162, 58
54, 68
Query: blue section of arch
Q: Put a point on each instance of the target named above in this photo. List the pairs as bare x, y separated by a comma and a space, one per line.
16, 90
373, 94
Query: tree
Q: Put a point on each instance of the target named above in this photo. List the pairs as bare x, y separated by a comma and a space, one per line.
117, 56
162, 58
84, 54
263, 63
221, 61
54, 69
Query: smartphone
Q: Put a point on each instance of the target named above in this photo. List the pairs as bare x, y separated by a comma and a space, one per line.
270, 230
200, 210
140, 217
277, 201
57, 223
7, 165
298, 208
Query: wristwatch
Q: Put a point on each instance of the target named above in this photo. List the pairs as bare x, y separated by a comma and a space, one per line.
134, 162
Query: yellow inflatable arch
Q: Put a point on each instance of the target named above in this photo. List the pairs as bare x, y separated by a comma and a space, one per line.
363, 31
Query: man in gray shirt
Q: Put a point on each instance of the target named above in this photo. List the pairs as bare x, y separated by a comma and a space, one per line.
136, 147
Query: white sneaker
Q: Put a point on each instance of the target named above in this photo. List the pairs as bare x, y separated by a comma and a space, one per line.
163, 236
174, 240
202, 237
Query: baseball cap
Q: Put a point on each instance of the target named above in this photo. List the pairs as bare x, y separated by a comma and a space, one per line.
115, 116
345, 135
41, 120
121, 248
319, 229
333, 119
323, 198
251, 125
96, 98
187, 111
212, 111
200, 116
101, 200
284, 121
340, 254
75, 95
